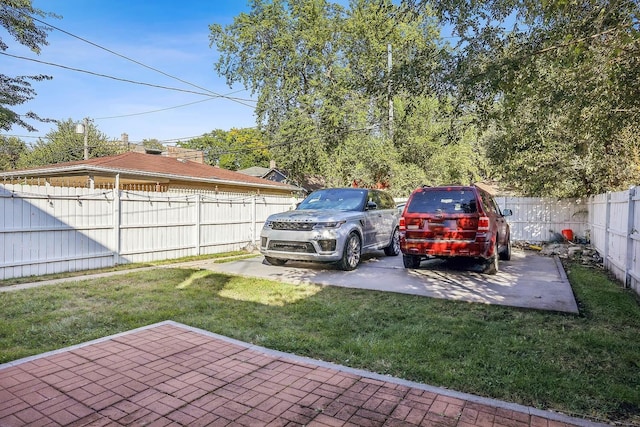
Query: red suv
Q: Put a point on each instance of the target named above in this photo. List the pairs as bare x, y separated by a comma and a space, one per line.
454, 221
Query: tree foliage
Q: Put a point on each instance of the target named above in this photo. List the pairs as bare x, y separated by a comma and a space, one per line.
233, 150
425, 138
152, 144
320, 74
542, 95
16, 16
64, 145
560, 83
282, 51
11, 148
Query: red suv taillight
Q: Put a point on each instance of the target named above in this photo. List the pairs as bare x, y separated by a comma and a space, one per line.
411, 223
468, 223
483, 223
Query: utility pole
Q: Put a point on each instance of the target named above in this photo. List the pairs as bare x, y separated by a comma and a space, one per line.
389, 92
83, 128
86, 138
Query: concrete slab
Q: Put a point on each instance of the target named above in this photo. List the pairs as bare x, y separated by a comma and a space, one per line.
528, 280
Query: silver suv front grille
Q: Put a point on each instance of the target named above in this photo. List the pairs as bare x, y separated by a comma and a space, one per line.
293, 226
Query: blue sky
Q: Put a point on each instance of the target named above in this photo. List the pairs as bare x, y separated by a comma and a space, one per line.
167, 35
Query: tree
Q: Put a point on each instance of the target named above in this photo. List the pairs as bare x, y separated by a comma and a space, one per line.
559, 84
11, 148
320, 75
152, 144
16, 16
234, 149
283, 51
65, 145
427, 139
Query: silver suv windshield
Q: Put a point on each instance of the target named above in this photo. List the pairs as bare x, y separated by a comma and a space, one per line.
342, 199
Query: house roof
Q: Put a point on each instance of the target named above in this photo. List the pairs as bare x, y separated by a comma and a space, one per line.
255, 171
150, 166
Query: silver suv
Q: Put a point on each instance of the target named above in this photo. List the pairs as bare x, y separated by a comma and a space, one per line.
333, 225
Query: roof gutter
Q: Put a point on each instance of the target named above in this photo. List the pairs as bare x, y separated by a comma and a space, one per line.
132, 172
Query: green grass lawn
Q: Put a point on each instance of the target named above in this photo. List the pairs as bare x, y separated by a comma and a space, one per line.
123, 267
585, 365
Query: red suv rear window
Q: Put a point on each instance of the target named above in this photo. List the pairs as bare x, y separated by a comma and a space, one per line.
443, 201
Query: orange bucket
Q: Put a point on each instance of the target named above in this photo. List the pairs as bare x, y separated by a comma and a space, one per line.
568, 234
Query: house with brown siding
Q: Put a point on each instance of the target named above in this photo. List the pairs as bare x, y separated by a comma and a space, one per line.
145, 172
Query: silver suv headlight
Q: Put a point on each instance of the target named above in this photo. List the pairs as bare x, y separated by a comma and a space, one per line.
328, 225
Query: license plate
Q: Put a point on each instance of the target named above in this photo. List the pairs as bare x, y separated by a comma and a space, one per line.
448, 224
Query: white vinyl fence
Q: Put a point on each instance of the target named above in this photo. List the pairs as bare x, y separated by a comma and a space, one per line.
57, 229
614, 219
537, 220
609, 222
47, 230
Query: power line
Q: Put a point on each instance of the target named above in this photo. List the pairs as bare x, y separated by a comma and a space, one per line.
21, 136
241, 101
123, 56
172, 108
153, 111
104, 75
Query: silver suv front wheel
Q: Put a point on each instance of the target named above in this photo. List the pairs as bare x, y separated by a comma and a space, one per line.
351, 253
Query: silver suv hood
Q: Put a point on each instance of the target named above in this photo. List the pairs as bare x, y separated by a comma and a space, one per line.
315, 216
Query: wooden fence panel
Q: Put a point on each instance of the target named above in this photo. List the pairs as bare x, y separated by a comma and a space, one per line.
598, 207
155, 227
615, 252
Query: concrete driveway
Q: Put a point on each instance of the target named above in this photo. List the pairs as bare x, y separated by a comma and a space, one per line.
528, 280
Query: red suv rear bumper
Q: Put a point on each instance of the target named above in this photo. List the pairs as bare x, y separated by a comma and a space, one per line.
446, 248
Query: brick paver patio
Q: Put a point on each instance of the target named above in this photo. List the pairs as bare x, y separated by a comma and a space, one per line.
171, 374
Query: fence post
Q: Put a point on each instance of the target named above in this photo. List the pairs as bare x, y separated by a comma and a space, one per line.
116, 225
589, 228
631, 206
607, 219
253, 220
197, 224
